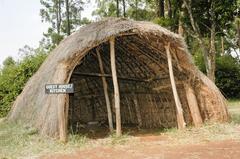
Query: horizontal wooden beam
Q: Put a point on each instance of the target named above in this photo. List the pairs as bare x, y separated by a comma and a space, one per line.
119, 77
167, 85
92, 95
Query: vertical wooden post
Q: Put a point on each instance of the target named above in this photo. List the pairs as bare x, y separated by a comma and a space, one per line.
193, 105
62, 103
63, 116
71, 96
180, 117
138, 113
116, 88
105, 89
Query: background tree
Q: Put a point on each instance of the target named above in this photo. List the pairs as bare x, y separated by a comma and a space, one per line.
14, 75
64, 17
160, 8
204, 17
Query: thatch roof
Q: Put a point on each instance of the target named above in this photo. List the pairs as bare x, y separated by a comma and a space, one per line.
38, 109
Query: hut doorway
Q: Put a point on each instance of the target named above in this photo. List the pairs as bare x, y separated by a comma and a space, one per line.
146, 96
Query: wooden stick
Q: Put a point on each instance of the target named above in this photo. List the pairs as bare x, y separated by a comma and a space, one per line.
71, 96
165, 86
180, 117
116, 88
62, 103
109, 76
119, 77
193, 105
138, 113
105, 88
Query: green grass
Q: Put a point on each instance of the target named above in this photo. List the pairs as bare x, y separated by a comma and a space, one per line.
210, 131
17, 141
234, 110
233, 103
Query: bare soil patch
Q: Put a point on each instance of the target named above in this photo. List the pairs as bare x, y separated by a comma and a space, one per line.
154, 147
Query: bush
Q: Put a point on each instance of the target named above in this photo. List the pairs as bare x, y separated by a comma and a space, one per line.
228, 76
14, 75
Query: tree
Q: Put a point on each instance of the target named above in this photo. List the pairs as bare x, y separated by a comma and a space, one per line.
52, 13
160, 8
124, 8
117, 8
64, 17
68, 18
14, 75
204, 17
137, 9
107, 8
9, 61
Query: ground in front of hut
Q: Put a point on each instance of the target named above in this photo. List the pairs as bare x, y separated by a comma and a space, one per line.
227, 149
211, 141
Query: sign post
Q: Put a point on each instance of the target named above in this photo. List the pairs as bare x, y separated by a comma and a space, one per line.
59, 88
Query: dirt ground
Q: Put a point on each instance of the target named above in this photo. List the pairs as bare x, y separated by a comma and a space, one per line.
158, 147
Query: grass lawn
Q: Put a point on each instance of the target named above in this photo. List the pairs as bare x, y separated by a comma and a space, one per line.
17, 141
234, 110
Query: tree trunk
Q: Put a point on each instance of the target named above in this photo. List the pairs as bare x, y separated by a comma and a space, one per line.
124, 8
212, 51
58, 15
116, 88
160, 8
105, 89
136, 9
117, 8
199, 37
222, 46
68, 18
179, 110
180, 22
238, 34
169, 9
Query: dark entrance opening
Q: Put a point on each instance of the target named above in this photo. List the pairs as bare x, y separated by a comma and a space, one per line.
145, 89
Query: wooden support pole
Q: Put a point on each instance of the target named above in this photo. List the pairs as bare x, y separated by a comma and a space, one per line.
193, 105
138, 113
180, 117
119, 77
116, 88
62, 103
105, 89
63, 116
72, 115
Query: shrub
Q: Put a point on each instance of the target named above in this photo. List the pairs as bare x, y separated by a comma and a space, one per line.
228, 76
14, 75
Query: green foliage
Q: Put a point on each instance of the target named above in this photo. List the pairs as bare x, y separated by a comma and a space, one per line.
137, 9
165, 22
14, 75
54, 13
21, 141
228, 76
105, 9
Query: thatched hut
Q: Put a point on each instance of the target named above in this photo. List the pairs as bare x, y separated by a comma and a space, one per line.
124, 72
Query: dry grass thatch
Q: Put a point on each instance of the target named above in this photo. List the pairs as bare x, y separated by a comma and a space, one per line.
143, 78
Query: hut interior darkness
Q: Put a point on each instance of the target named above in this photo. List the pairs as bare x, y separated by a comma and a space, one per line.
146, 96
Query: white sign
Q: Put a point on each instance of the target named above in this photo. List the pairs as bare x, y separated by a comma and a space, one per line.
59, 88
